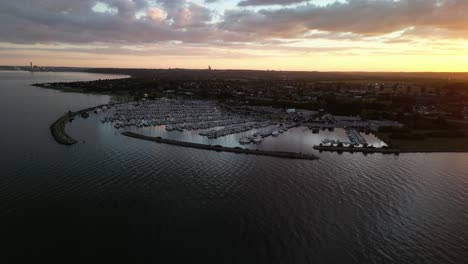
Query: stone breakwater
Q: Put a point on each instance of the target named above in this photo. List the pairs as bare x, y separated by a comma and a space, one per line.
279, 154
353, 150
58, 127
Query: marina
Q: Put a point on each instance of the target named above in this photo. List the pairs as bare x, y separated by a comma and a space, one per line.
214, 119
212, 123
210, 119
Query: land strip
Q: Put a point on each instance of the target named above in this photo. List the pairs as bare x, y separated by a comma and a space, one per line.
58, 127
427, 144
279, 154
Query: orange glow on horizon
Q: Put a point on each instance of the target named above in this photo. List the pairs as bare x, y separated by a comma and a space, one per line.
318, 62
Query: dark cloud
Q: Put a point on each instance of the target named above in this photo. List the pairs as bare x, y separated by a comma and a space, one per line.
366, 17
269, 2
40, 21
153, 21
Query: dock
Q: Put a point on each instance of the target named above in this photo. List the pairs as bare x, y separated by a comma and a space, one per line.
355, 137
356, 149
278, 154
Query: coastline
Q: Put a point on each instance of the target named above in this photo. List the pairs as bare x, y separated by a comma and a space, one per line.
82, 91
396, 151
65, 89
428, 145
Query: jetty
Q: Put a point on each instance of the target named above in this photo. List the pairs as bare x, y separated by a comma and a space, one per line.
58, 127
279, 154
357, 149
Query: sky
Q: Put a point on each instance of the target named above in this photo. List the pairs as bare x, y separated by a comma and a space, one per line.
314, 35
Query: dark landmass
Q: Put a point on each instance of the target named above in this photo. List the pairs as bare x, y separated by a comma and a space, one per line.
370, 95
422, 134
421, 101
43, 69
204, 74
428, 144
191, 74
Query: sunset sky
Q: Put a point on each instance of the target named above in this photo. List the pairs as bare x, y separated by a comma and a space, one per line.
321, 35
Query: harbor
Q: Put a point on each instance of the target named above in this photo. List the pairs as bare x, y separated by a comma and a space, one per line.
205, 123
211, 119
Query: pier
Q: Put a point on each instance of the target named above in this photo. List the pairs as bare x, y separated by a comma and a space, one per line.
355, 137
356, 149
279, 154
58, 127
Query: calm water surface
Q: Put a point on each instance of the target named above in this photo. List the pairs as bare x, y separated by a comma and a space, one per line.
123, 199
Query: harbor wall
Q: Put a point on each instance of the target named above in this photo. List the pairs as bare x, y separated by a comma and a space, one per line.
279, 154
353, 150
58, 127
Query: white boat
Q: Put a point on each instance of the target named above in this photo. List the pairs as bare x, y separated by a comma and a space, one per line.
275, 133
258, 139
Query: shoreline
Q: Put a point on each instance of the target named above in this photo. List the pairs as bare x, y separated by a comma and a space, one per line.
428, 145
385, 151
63, 71
81, 91
278, 154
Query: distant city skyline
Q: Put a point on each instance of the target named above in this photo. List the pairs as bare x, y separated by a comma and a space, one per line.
315, 35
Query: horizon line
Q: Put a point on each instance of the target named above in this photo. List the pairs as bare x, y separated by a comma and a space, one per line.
234, 69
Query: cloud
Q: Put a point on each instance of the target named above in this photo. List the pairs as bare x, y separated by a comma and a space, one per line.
157, 14
133, 22
269, 2
42, 21
365, 17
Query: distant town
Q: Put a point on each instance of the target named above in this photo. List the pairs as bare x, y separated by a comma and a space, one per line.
370, 95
